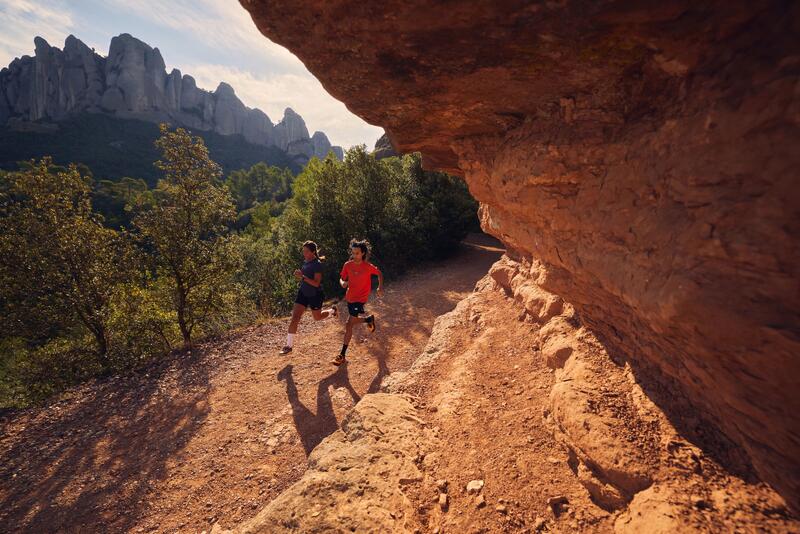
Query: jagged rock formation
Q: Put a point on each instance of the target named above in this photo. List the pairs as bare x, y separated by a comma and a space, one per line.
132, 82
384, 148
644, 154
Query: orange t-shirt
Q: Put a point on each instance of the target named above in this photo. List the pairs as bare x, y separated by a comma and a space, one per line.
358, 278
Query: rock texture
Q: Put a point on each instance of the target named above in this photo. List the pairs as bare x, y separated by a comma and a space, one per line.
574, 439
132, 82
643, 154
357, 478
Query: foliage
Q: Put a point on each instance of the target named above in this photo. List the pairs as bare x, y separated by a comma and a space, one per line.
101, 276
110, 198
58, 264
184, 221
408, 214
258, 184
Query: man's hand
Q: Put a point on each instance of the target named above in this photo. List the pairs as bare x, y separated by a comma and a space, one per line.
343, 283
380, 292
298, 274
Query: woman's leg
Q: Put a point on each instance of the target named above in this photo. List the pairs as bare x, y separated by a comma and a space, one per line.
322, 314
297, 314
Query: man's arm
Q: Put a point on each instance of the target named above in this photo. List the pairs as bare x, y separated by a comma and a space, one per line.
380, 281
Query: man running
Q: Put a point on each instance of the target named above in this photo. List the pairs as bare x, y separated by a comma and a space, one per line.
356, 276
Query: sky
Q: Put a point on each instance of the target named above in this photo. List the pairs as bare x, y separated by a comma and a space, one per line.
211, 40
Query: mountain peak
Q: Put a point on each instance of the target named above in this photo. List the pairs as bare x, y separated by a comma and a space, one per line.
132, 82
224, 89
40, 45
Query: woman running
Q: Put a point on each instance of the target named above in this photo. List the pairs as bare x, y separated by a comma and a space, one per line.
309, 295
356, 276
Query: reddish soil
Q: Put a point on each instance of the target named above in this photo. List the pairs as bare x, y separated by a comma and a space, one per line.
216, 433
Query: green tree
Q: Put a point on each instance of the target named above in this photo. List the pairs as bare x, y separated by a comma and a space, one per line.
185, 222
110, 199
59, 266
259, 184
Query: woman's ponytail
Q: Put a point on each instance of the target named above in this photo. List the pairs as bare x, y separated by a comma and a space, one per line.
314, 249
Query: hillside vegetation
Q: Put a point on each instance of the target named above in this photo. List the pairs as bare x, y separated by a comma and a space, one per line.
98, 275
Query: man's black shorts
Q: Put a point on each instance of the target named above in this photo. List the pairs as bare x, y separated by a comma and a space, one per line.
314, 303
356, 308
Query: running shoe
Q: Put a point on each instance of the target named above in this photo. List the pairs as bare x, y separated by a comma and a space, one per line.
370, 322
286, 350
338, 360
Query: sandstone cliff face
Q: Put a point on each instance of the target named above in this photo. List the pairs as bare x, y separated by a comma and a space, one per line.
132, 82
642, 154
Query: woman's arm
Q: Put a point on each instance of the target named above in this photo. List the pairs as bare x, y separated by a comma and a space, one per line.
316, 281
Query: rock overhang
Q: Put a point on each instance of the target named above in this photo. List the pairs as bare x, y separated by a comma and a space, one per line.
642, 151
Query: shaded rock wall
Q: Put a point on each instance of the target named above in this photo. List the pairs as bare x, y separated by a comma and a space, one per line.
643, 153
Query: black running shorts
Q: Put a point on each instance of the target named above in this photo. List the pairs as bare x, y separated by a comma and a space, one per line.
356, 308
314, 303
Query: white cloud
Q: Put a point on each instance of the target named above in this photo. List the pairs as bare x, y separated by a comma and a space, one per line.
279, 79
222, 24
22, 20
303, 93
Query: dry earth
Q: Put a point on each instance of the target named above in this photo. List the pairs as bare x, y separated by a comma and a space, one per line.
216, 434
507, 388
516, 419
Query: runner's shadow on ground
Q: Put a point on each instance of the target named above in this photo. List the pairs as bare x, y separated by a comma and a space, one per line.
314, 427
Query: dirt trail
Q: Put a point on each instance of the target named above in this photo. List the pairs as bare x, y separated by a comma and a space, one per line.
215, 434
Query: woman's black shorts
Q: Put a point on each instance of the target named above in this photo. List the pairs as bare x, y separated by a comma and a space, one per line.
314, 303
355, 308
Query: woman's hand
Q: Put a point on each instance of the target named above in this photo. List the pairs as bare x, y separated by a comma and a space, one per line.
379, 291
298, 274
343, 283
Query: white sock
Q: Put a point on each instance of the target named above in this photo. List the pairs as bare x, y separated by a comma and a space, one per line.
289, 340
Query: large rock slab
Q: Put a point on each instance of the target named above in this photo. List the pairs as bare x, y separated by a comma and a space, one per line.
356, 478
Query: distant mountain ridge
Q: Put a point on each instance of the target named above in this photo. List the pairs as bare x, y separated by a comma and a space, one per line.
132, 83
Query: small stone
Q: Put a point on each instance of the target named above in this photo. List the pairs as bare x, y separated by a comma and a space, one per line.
501, 508
443, 501
442, 485
557, 504
474, 486
538, 524
480, 501
699, 502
